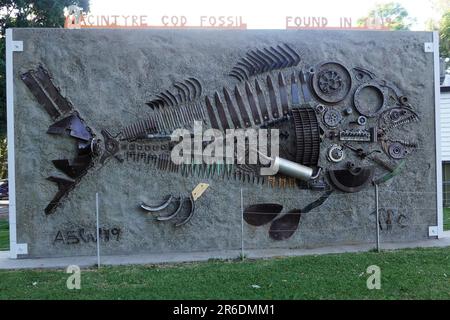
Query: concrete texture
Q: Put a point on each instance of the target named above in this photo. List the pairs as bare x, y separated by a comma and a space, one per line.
108, 75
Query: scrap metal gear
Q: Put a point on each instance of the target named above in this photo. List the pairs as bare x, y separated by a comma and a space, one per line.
370, 99
351, 180
331, 82
335, 153
332, 118
397, 151
307, 136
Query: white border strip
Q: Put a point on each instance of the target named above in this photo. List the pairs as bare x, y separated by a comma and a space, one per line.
11, 149
437, 120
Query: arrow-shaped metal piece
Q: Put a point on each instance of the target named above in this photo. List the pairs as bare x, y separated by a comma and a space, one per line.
211, 115
221, 112
242, 108
252, 103
232, 109
261, 101
294, 91
273, 98
283, 94
304, 86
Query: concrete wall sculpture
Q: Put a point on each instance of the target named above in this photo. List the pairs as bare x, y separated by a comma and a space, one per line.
93, 109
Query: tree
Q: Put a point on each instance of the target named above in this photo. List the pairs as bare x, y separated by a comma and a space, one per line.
441, 22
388, 15
444, 35
28, 13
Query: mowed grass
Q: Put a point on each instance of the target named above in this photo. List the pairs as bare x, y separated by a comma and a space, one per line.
405, 274
446, 218
4, 235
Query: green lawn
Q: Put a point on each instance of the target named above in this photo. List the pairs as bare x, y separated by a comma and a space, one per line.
405, 274
446, 218
4, 235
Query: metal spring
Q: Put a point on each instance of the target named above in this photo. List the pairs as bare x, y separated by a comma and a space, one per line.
408, 144
410, 119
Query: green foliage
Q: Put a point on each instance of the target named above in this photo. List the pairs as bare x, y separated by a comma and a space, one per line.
446, 218
23, 14
4, 235
444, 35
405, 274
3, 159
35, 13
390, 15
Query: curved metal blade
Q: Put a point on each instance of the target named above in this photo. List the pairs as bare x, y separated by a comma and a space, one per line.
285, 226
262, 213
158, 207
351, 180
191, 203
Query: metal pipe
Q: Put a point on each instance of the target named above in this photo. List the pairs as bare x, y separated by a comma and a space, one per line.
293, 169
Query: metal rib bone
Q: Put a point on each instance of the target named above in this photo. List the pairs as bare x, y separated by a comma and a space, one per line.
191, 212
271, 61
267, 59
286, 54
285, 62
297, 58
162, 206
231, 109
283, 94
165, 99
261, 62
221, 112
252, 103
173, 97
236, 75
261, 101
242, 72
278, 61
273, 98
265, 63
242, 108
173, 214
211, 115
199, 87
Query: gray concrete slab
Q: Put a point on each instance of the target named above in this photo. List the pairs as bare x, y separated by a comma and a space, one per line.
90, 261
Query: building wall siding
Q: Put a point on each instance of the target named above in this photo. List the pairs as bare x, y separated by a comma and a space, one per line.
445, 126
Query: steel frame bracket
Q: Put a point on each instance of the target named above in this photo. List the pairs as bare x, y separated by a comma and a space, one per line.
17, 46
428, 47
15, 248
21, 248
433, 231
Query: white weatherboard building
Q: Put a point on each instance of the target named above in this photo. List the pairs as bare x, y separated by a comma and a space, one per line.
445, 139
